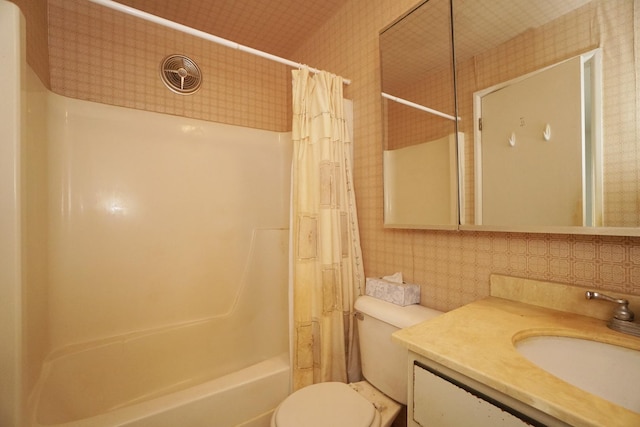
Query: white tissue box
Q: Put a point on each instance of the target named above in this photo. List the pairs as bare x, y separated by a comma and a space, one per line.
397, 293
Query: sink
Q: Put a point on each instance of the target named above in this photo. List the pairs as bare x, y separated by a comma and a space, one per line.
605, 370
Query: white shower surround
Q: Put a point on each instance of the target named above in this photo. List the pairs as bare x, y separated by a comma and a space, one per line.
167, 247
146, 261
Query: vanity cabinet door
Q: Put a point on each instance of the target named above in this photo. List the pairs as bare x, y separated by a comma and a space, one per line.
438, 402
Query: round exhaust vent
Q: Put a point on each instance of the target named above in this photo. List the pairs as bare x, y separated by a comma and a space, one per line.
180, 74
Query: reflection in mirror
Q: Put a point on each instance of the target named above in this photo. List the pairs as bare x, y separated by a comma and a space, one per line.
501, 40
420, 155
545, 125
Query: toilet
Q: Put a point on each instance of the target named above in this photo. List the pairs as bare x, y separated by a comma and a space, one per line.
374, 402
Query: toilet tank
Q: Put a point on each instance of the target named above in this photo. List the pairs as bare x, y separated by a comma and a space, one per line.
384, 363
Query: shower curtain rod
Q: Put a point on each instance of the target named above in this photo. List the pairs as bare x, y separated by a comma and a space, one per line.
418, 106
201, 34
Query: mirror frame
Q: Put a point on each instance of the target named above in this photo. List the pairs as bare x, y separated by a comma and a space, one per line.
442, 121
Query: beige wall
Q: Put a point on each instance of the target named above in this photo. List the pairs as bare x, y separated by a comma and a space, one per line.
452, 266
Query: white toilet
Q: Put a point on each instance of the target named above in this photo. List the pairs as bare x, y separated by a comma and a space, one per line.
372, 403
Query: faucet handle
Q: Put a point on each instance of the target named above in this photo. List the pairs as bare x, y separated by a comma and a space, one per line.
622, 312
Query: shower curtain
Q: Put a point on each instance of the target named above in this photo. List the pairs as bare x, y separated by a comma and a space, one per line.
327, 271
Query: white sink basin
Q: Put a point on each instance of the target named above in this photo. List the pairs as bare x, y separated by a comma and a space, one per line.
606, 370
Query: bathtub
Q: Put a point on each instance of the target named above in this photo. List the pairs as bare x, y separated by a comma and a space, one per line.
245, 398
228, 370
155, 320
151, 267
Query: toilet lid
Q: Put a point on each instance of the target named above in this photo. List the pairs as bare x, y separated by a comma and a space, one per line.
325, 404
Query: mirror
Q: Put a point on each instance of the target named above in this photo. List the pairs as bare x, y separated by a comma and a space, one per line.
502, 41
547, 125
420, 143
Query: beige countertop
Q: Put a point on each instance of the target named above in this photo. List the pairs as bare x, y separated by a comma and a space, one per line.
477, 340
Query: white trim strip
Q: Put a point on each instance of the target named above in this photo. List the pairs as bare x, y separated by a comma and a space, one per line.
418, 106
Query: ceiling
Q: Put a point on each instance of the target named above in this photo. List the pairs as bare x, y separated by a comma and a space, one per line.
277, 27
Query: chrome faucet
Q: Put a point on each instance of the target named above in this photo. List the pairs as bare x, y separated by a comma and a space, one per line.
622, 320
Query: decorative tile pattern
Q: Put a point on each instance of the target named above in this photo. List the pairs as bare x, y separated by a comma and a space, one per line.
248, 23
101, 55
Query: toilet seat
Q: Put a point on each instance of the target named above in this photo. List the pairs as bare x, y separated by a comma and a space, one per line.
332, 404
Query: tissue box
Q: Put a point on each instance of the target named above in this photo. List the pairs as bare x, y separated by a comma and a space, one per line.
397, 293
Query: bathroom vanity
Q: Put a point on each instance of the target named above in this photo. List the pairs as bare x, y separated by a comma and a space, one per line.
444, 397
467, 367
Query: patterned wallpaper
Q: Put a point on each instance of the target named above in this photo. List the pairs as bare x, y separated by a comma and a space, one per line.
97, 55
101, 55
452, 267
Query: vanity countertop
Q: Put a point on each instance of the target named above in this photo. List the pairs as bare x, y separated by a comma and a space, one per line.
477, 340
